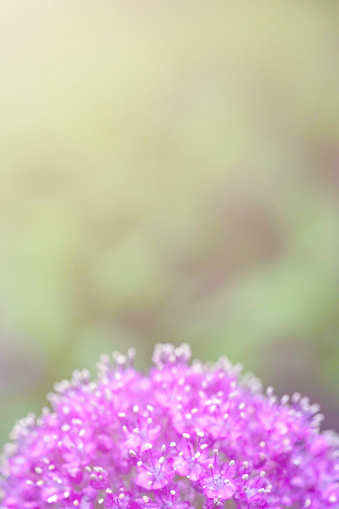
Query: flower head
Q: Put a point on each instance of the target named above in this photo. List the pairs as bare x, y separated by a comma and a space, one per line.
182, 436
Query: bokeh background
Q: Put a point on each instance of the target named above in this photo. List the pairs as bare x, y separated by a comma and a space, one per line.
169, 173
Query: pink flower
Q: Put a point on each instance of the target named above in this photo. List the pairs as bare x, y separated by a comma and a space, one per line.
182, 436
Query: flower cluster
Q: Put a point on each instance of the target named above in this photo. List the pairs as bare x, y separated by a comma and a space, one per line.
183, 436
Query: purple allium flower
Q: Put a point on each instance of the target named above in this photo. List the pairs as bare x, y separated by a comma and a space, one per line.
181, 437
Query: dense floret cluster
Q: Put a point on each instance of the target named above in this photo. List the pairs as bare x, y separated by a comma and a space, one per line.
183, 436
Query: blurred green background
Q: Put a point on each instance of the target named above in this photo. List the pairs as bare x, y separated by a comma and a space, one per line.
169, 173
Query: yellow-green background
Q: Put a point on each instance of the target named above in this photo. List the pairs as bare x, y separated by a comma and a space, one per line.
169, 172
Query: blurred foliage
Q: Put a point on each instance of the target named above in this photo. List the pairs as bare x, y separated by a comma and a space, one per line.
169, 172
